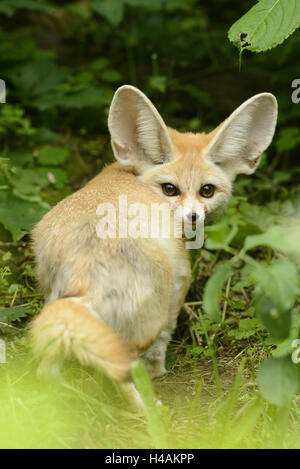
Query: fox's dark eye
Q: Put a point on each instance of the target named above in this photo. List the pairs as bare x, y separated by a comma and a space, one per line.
169, 189
207, 190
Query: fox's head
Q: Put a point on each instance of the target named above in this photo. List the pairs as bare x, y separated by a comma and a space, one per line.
193, 172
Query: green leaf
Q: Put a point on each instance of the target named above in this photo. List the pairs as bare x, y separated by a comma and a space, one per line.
278, 281
21, 158
158, 83
278, 380
52, 176
45, 135
89, 97
212, 293
143, 384
111, 10
288, 139
81, 10
49, 155
38, 78
18, 215
111, 76
286, 347
266, 24
26, 182
274, 237
99, 64
8, 7
257, 215
15, 312
276, 321
246, 328
220, 235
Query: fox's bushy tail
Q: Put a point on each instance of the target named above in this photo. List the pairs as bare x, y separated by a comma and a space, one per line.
66, 327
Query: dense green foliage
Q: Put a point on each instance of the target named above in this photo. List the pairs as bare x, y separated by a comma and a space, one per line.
62, 61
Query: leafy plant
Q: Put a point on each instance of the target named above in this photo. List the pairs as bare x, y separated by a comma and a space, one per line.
276, 292
266, 25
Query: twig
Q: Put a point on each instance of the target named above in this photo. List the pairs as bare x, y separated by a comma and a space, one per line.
14, 297
8, 325
22, 244
245, 294
194, 303
190, 311
226, 302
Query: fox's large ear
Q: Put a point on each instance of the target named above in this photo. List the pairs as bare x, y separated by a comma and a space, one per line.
237, 144
138, 133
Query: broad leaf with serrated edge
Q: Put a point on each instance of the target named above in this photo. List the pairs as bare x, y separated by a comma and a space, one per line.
266, 24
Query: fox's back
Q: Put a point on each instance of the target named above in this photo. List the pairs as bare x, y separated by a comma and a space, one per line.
67, 246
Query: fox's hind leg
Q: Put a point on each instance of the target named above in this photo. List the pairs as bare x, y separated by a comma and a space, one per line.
155, 356
128, 390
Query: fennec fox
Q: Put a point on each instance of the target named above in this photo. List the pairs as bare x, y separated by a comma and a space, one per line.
111, 299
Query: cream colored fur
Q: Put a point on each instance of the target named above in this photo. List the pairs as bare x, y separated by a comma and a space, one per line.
109, 301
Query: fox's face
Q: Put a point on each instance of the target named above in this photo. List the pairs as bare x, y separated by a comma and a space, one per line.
192, 172
192, 185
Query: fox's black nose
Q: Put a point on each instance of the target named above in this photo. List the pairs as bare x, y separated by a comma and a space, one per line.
192, 217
